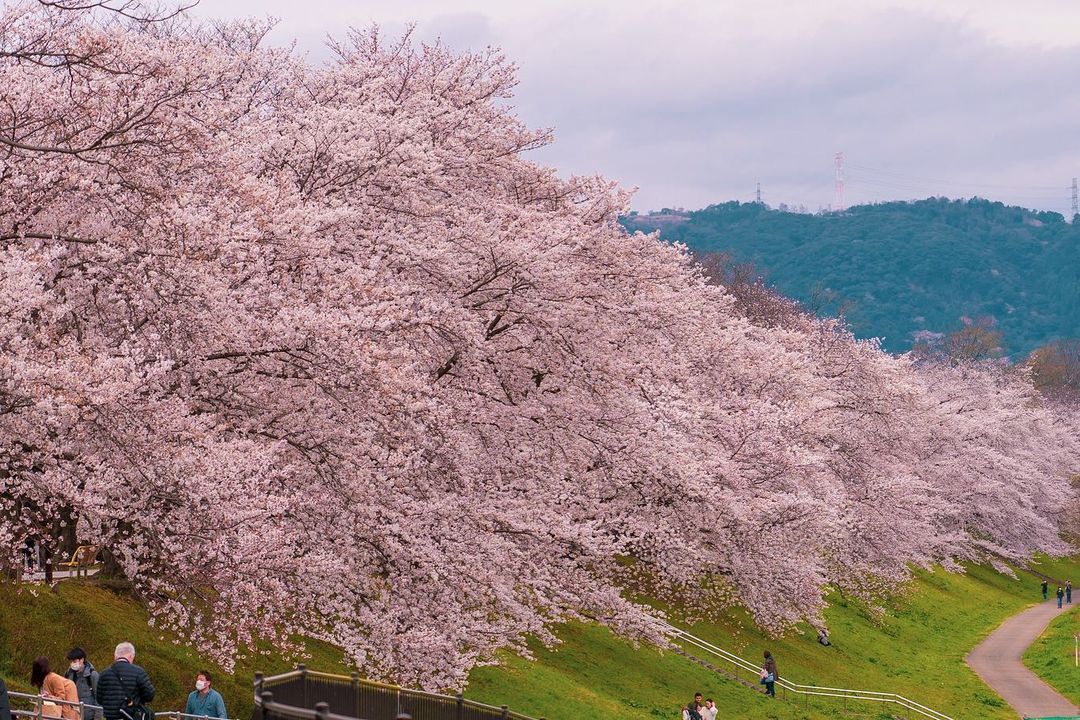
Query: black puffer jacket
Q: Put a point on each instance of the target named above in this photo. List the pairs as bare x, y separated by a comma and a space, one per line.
120, 681
5, 704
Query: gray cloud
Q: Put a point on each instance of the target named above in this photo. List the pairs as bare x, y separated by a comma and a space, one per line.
696, 102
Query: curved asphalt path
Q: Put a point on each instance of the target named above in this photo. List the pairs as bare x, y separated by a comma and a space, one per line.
997, 661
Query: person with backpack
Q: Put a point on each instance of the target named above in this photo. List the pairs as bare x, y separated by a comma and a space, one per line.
205, 701
124, 688
81, 672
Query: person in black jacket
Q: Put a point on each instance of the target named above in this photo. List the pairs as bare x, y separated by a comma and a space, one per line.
5, 704
121, 681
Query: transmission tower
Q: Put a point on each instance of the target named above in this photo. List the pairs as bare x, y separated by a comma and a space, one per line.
1075, 201
840, 182
757, 195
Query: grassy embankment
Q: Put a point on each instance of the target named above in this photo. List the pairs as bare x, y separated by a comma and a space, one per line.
915, 648
1052, 656
35, 621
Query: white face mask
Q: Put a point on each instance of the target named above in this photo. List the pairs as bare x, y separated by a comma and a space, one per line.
200, 685
77, 665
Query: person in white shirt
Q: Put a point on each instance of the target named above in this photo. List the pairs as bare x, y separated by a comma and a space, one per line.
709, 711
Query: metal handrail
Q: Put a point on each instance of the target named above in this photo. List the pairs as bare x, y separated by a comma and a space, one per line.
40, 699
816, 690
268, 682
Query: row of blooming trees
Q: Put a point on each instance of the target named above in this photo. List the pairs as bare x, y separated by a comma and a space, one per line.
316, 350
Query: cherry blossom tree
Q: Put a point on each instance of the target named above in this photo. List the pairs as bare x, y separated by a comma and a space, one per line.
319, 351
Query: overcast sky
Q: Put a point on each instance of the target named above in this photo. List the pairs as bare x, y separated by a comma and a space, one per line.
697, 102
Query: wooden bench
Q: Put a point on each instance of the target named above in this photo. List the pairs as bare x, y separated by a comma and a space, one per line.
83, 558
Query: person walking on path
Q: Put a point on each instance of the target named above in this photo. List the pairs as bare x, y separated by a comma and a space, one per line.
770, 674
1068, 592
54, 687
123, 681
81, 672
1060, 595
205, 701
1044, 589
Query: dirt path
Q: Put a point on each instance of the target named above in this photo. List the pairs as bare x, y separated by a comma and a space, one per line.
997, 661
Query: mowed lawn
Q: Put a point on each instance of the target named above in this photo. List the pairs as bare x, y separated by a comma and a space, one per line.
915, 647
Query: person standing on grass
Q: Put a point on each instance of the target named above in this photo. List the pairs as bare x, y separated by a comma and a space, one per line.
694, 708
204, 701
1044, 589
770, 674
1060, 595
1068, 592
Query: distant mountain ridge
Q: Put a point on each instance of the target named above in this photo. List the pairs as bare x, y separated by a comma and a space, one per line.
904, 268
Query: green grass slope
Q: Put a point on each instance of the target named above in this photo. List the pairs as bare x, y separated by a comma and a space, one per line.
35, 621
1052, 656
915, 647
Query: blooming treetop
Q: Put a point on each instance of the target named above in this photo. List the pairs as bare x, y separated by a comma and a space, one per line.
316, 350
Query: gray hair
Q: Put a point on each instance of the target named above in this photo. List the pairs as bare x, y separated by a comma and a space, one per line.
124, 650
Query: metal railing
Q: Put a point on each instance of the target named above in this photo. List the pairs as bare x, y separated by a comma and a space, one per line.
304, 694
787, 686
95, 710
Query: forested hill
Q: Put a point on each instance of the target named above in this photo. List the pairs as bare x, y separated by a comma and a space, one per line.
903, 267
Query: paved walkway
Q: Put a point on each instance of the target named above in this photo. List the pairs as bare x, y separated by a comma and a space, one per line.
997, 660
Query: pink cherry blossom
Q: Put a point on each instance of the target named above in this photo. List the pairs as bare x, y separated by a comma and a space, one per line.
319, 351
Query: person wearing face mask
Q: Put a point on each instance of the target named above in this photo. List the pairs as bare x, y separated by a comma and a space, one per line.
205, 701
81, 672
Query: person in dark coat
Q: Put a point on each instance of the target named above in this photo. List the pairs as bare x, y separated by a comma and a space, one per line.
1046, 594
122, 680
81, 672
1060, 595
770, 669
1068, 592
5, 703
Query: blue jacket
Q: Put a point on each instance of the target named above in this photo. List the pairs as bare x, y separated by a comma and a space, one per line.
210, 705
